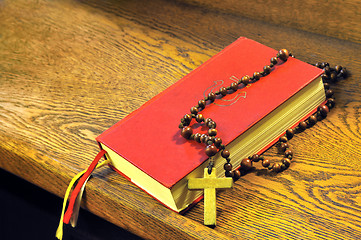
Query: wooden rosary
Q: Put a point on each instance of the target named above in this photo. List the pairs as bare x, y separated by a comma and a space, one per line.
214, 144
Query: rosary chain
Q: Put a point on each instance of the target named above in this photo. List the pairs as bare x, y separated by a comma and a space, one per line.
214, 144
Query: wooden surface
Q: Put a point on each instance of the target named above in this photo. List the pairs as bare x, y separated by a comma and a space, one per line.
71, 69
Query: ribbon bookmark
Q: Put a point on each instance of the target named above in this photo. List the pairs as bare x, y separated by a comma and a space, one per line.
75, 199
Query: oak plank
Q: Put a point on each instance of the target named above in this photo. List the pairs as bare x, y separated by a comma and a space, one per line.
69, 70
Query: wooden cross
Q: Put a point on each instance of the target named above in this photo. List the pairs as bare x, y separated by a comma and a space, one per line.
210, 183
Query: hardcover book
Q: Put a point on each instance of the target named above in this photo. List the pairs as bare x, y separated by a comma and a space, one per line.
146, 146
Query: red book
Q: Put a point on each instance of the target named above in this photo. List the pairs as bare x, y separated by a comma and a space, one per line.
147, 148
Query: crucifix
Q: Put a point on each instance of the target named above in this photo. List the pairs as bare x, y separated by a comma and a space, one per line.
210, 183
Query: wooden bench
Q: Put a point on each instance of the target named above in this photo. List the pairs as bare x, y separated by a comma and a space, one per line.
71, 69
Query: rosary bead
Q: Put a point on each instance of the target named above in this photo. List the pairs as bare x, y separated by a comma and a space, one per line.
324, 64
338, 68
257, 75
212, 132
197, 137
186, 132
302, 125
225, 153
227, 166
329, 93
266, 163
208, 120
312, 120
199, 118
283, 54
217, 142
286, 162
274, 60
288, 153
194, 110
236, 174
326, 86
325, 77
318, 64
212, 96
245, 79
255, 158
343, 72
211, 150
330, 103
246, 164
284, 146
234, 86
202, 103
187, 118
267, 69
283, 139
289, 133
203, 138
223, 91
333, 77
327, 70
212, 124
323, 110
229, 174
276, 167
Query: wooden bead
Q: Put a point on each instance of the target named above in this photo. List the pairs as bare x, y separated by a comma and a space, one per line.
326, 86
202, 103
329, 93
338, 68
227, 166
333, 77
284, 146
234, 86
327, 70
212, 124
286, 162
330, 103
212, 96
289, 133
197, 137
187, 118
208, 120
266, 163
217, 142
288, 153
194, 110
343, 73
323, 110
229, 174
302, 125
283, 54
283, 139
203, 138
211, 150
223, 91
225, 153
199, 118
312, 120
236, 174
256, 75
325, 78
246, 164
212, 132
267, 69
245, 79
276, 167
255, 158
186, 132
274, 60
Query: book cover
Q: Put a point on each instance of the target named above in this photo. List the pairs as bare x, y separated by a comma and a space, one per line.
149, 138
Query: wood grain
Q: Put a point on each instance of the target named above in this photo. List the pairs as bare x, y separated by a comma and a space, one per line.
71, 69
335, 18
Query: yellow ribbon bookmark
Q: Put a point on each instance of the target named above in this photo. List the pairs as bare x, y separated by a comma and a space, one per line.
59, 231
